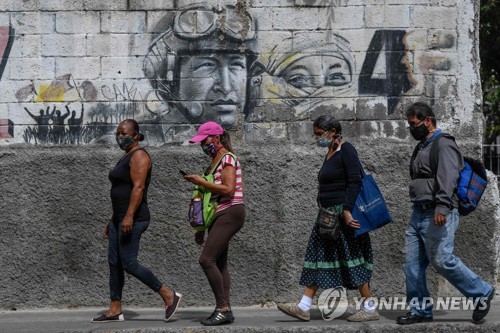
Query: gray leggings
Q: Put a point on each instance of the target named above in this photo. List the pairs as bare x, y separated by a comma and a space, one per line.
213, 258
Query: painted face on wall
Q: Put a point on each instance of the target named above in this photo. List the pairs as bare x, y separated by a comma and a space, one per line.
313, 72
213, 86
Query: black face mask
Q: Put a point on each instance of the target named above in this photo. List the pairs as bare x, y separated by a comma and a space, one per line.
420, 132
125, 143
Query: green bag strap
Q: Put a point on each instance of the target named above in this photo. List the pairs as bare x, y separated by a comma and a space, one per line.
220, 161
199, 190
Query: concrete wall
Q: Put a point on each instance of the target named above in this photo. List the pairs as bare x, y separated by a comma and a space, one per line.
71, 70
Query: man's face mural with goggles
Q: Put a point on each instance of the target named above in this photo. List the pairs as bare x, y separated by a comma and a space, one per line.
200, 64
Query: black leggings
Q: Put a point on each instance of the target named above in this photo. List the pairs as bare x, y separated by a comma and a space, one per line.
213, 257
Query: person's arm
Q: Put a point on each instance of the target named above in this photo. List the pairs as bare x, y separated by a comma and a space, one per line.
106, 228
31, 115
139, 167
351, 164
448, 171
228, 179
68, 112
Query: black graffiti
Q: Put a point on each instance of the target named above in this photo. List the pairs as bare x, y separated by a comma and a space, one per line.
42, 122
51, 128
115, 94
105, 113
6, 41
58, 124
396, 82
75, 126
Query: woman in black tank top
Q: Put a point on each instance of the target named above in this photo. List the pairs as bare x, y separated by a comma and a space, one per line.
130, 180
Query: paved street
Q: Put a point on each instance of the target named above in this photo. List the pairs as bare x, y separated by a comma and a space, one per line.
247, 320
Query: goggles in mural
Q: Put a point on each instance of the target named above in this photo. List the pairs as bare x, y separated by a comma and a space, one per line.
194, 29
198, 21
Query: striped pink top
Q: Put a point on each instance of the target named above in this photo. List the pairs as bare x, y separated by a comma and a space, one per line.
237, 198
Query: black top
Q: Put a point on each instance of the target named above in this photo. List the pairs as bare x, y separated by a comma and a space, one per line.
340, 178
121, 190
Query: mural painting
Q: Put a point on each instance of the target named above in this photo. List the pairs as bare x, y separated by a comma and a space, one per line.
211, 63
304, 73
6, 40
388, 44
54, 127
201, 65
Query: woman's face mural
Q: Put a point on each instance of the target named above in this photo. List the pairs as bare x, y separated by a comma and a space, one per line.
307, 72
316, 71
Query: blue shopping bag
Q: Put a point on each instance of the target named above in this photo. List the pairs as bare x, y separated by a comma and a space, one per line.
370, 209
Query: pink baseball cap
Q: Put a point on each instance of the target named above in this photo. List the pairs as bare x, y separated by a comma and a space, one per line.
207, 129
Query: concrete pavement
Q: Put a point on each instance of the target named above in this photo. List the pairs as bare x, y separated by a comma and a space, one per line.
248, 319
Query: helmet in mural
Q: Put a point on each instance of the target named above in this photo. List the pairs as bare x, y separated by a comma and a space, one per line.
197, 29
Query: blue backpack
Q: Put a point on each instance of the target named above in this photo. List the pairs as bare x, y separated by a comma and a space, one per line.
471, 183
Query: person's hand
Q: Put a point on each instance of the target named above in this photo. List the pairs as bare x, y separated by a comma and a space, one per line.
349, 221
127, 224
439, 219
199, 237
106, 231
195, 179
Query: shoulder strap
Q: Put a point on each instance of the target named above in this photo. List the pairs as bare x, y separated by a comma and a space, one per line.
413, 156
220, 161
360, 165
434, 154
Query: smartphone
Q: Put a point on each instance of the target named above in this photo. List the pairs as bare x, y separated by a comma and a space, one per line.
182, 172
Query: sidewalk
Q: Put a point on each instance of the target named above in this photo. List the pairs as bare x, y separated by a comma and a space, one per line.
247, 320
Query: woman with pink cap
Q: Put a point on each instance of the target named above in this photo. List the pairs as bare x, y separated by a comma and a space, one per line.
227, 190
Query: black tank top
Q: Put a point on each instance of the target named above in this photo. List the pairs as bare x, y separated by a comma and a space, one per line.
121, 189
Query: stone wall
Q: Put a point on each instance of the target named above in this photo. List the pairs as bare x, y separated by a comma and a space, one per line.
70, 70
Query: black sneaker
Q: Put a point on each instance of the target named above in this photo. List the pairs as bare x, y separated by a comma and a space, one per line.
483, 307
411, 318
170, 310
105, 319
218, 318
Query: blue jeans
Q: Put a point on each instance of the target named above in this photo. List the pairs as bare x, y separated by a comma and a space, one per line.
427, 243
122, 257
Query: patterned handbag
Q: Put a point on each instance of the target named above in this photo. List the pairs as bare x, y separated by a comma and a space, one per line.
328, 223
